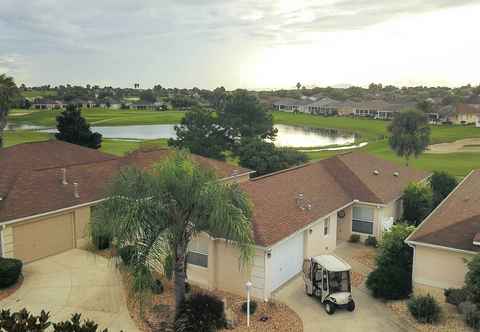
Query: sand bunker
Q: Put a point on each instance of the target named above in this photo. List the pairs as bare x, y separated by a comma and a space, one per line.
464, 145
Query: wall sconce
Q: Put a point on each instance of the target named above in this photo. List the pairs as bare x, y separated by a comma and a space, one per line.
310, 231
269, 253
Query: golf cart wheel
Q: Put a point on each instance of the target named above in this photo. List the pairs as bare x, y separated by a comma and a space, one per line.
351, 306
330, 307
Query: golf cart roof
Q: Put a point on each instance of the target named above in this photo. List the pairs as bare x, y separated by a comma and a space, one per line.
332, 263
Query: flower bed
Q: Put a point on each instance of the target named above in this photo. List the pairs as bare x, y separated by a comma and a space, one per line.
158, 311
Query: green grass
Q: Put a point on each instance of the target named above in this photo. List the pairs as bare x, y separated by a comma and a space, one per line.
458, 164
98, 116
34, 94
24, 136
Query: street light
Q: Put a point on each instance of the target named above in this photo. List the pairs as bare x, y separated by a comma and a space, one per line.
248, 285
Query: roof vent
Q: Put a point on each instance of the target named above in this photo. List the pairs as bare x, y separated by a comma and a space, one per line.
75, 190
302, 203
476, 239
396, 174
376, 172
64, 176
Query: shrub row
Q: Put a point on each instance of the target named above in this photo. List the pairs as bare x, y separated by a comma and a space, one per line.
10, 270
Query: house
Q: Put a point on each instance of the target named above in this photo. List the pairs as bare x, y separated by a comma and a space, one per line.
379, 109
304, 211
466, 114
446, 238
49, 189
327, 106
441, 114
289, 104
47, 104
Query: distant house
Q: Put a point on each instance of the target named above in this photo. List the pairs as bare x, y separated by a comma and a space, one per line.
380, 109
141, 105
446, 238
328, 106
110, 103
466, 114
47, 104
84, 103
289, 104
441, 114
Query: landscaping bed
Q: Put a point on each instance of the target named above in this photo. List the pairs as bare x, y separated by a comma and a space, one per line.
450, 319
6, 292
158, 311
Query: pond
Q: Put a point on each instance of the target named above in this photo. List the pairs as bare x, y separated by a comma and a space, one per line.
288, 136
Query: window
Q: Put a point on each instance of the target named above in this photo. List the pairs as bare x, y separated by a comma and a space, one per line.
326, 226
362, 221
198, 252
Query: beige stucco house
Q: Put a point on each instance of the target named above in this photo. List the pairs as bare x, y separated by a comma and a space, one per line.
466, 114
48, 190
447, 238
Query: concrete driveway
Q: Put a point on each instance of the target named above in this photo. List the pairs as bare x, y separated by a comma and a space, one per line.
369, 315
74, 282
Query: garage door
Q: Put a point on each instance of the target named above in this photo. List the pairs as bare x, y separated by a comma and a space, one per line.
286, 260
43, 238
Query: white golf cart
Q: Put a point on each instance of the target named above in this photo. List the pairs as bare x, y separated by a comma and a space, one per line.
328, 278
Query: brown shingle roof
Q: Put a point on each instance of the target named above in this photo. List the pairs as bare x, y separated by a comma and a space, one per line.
467, 109
453, 222
28, 156
327, 185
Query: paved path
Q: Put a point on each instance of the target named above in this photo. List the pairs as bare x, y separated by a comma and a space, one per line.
71, 282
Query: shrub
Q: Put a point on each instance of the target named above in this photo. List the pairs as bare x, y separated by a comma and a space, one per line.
24, 321
417, 203
425, 309
472, 279
253, 307
391, 283
455, 296
201, 312
467, 307
157, 287
371, 241
127, 253
354, 238
10, 270
102, 242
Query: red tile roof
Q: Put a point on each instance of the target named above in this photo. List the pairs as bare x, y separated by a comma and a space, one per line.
456, 220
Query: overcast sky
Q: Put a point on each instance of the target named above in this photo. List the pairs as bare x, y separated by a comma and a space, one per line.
241, 43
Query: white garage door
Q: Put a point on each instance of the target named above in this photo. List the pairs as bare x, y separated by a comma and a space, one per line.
286, 260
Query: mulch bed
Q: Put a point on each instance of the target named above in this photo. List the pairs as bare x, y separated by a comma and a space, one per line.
6, 292
366, 256
357, 278
158, 313
450, 320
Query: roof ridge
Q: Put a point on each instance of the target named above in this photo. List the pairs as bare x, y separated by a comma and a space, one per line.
77, 164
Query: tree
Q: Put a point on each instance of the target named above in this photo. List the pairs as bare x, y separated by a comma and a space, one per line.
158, 212
472, 279
442, 184
299, 85
73, 128
244, 117
409, 134
425, 106
200, 133
148, 96
417, 203
264, 157
8, 94
392, 277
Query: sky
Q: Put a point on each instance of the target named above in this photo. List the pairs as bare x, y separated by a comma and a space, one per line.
254, 44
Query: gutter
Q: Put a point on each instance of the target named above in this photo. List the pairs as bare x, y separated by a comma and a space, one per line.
45, 214
412, 244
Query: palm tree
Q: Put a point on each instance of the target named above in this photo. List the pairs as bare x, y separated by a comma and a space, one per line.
158, 212
8, 93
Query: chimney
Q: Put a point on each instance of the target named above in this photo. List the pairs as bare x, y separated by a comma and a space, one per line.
396, 174
64, 176
75, 190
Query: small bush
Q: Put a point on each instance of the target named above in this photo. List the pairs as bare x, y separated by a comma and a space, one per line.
202, 313
10, 270
371, 241
354, 238
102, 242
253, 307
424, 309
390, 283
455, 296
74, 325
467, 307
157, 287
127, 253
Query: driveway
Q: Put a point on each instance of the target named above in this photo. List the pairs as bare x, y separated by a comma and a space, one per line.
369, 315
74, 282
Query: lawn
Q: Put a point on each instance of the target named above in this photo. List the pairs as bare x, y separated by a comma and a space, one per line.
98, 116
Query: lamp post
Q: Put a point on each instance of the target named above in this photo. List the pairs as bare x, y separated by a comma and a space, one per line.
248, 285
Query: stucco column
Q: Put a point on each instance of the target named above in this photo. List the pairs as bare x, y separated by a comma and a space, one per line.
7, 241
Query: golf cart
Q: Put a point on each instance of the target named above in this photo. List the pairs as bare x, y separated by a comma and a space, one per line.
328, 278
